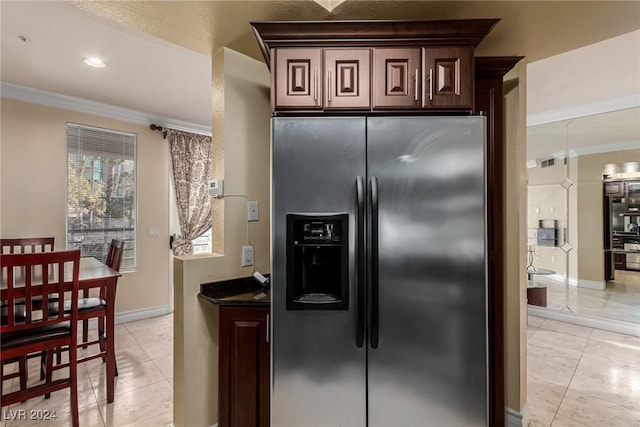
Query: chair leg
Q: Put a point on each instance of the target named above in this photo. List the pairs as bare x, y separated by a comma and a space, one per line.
43, 364
49, 370
85, 332
73, 371
22, 366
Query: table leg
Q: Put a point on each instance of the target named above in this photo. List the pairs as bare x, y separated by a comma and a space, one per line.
111, 331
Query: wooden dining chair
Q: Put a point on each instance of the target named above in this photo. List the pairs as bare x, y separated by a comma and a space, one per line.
96, 308
27, 245
26, 330
22, 245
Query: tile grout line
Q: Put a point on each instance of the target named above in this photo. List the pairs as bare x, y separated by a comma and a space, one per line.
571, 380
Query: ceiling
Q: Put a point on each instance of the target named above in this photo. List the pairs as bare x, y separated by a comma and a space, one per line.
158, 52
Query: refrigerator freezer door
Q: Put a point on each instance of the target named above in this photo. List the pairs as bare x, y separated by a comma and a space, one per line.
430, 364
318, 371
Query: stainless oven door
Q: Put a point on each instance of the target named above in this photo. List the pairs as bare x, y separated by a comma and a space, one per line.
633, 258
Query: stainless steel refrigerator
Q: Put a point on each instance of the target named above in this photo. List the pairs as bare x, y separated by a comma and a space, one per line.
379, 275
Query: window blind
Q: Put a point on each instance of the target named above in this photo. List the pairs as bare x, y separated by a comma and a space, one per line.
101, 191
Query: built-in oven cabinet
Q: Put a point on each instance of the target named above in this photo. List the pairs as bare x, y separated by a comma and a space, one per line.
614, 189
633, 195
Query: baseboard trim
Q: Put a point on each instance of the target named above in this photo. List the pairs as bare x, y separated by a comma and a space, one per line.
592, 284
518, 419
144, 313
589, 321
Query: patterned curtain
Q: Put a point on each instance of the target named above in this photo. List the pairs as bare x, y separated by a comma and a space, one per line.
191, 160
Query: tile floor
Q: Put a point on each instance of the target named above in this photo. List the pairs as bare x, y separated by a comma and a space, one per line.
143, 389
620, 300
577, 376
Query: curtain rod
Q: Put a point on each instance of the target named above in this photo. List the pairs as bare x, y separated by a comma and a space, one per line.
159, 128
164, 130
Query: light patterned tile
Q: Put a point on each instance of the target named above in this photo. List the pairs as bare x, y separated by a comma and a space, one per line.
138, 405
560, 421
165, 365
550, 369
614, 346
618, 389
129, 378
156, 323
534, 321
565, 328
88, 416
157, 349
596, 412
161, 420
571, 345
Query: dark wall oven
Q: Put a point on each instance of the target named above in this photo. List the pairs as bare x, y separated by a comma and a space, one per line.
633, 196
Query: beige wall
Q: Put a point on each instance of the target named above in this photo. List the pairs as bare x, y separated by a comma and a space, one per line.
515, 241
34, 193
241, 145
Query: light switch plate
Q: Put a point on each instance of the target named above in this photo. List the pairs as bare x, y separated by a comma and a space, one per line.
247, 256
252, 211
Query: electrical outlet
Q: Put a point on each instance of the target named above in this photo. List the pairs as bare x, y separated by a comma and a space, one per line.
252, 211
247, 256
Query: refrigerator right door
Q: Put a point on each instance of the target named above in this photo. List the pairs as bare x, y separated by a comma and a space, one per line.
430, 364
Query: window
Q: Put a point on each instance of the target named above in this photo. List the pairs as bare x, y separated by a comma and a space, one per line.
101, 191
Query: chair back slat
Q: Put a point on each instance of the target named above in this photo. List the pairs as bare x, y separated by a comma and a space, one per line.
27, 245
45, 275
114, 257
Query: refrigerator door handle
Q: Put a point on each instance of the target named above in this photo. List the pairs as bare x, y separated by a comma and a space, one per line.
373, 260
360, 257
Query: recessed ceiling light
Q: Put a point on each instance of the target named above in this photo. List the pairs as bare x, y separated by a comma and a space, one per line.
94, 62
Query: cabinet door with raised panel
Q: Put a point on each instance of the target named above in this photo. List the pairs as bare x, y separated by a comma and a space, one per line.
447, 76
396, 74
244, 367
297, 78
347, 79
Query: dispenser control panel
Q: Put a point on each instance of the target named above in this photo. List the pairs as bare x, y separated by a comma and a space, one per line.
323, 231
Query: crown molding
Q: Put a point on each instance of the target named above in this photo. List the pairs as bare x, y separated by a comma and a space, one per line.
604, 106
56, 100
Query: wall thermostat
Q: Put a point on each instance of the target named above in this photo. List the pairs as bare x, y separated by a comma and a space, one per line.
215, 188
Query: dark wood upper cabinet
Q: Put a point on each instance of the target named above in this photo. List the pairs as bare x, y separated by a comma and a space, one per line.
396, 78
298, 82
347, 79
448, 78
417, 65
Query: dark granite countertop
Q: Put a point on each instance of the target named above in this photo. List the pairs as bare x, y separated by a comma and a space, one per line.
242, 291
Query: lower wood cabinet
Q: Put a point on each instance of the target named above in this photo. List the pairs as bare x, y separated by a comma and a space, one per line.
620, 261
244, 366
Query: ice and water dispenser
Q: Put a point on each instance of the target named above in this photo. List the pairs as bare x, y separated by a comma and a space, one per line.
317, 262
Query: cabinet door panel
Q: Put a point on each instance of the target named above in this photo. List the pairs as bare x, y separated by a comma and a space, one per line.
244, 367
395, 78
297, 80
347, 80
448, 77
